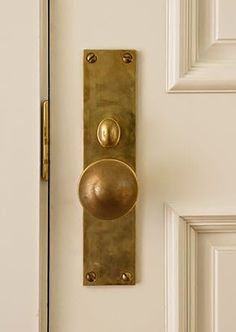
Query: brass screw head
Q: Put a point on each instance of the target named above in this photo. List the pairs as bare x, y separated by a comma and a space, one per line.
91, 57
127, 58
91, 276
127, 276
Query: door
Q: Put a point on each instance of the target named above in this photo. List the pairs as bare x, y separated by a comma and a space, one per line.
185, 135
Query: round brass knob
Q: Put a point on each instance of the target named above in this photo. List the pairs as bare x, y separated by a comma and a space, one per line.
108, 189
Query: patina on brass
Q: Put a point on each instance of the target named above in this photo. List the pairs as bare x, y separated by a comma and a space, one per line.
108, 133
108, 189
108, 186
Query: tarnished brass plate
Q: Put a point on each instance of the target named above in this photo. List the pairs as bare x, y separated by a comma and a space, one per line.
109, 93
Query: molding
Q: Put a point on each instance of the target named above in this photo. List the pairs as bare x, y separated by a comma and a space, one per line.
215, 250
181, 238
197, 60
216, 5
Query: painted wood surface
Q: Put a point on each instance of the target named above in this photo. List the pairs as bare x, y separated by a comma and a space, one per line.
185, 156
201, 46
20, 165
200, 272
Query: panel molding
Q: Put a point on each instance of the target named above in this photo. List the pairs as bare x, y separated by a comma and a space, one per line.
198, 61
181, 238
216, 4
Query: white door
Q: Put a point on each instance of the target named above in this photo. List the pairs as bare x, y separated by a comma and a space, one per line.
186, 162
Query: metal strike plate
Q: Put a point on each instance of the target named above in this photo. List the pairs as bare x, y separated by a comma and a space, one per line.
109, 94
45, 141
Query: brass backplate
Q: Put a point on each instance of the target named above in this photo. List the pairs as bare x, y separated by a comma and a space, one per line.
109, 93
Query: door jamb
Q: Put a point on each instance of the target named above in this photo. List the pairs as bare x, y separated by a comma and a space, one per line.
44, 186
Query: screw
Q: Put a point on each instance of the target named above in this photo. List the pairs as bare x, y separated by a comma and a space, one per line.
91, 276
91, 58
127, 58
127, 276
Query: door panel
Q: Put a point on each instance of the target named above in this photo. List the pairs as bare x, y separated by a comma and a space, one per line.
185, 155
200, 271
216, 275
201, 46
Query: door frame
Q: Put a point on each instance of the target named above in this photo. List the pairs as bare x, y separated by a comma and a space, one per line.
44, 260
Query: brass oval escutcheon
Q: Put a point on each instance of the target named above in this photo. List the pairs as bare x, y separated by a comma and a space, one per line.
108, 189
108, 133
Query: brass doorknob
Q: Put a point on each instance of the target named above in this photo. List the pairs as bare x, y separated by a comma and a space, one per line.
108, 189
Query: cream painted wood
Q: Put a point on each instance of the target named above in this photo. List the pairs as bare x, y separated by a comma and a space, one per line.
20, 165
200, 273
201, 46
225, 15
216, 282
185, 156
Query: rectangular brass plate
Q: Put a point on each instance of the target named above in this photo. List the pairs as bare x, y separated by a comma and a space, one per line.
109, 92
45, 141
